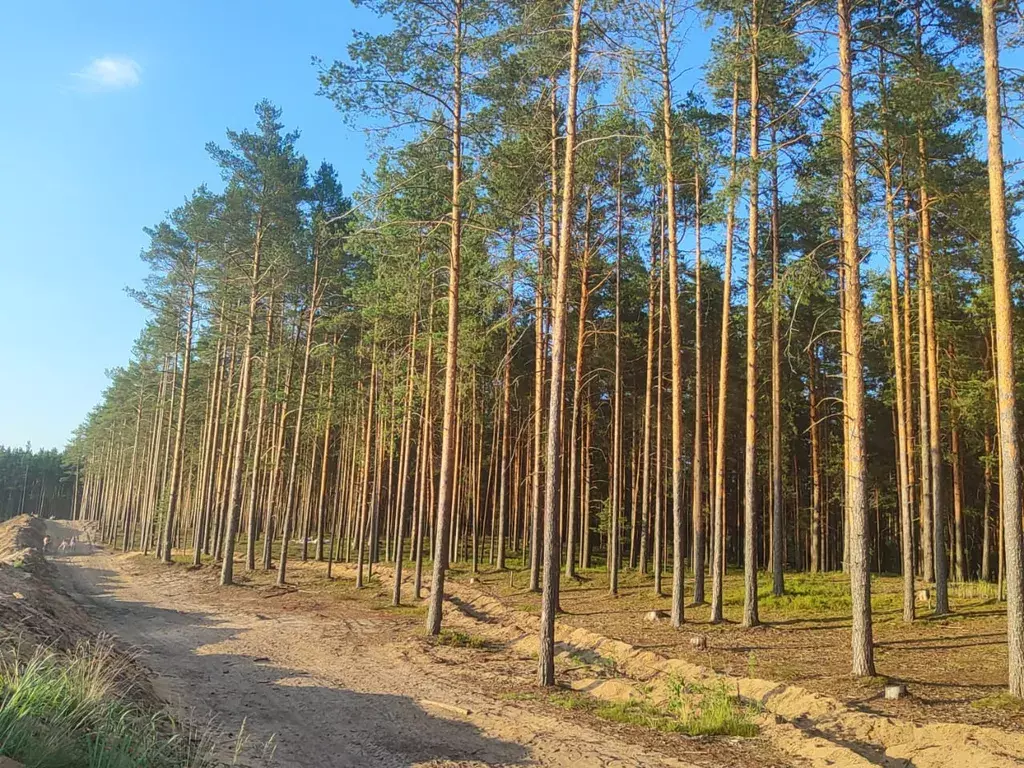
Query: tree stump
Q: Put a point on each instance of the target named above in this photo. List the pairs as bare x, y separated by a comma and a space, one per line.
895, 691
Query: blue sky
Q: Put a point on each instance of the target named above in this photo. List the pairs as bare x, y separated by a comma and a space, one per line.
107, 109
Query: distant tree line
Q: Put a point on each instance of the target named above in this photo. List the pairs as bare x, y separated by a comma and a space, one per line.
36, 483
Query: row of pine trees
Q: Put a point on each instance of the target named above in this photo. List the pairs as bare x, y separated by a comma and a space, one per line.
35, 482
575, 318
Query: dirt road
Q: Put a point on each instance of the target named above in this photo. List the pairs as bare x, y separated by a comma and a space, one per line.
337, 683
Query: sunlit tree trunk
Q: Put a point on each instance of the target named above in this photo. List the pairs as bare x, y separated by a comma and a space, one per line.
241, 426
321, 504
675, 342
506, 420
860, 576
403, 475
927, 559
174, 491
778, 506
426, 454
1010, 468
577, 392
257, 451
290, 500
275, 470
365, 495
645, 496
445, 489
718, 505
616, 479
903, 457
750, 511
549, 597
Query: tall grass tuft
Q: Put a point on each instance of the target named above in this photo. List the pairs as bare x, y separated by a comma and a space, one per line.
711, 710
72, 710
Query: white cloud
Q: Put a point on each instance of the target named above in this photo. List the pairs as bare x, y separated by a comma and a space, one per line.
110, 73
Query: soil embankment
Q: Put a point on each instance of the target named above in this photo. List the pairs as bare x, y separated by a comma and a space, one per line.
36, 612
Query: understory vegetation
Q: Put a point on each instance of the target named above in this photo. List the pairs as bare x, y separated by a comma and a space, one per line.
692, 709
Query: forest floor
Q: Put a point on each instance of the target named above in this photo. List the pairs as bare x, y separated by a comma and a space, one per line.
954, 666
333, 676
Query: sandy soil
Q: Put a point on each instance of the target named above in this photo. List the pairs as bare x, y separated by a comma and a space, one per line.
948, 663
339, 680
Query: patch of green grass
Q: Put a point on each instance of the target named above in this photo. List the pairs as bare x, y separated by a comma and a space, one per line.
1002, 702
402, 610
573, 701
70, 710
455, 639
710, 710
641, 713
694, 710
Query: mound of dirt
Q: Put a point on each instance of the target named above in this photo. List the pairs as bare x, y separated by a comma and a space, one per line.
21, 533
36, 612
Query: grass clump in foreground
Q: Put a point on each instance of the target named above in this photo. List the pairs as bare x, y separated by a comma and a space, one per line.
691, 709
69, 710
711, 710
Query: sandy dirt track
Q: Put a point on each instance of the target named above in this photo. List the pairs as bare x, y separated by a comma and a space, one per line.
340, 684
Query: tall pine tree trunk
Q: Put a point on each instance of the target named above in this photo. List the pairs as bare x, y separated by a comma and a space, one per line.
750, 516
549, 596
1009, 475
446, 489
290, 505
718, 505
238, 454
856, 470
675, 342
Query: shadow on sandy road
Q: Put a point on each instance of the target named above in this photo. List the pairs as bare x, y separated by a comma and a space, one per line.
312, 725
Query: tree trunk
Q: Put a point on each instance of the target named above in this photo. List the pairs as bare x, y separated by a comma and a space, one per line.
549, 597
675, 343
289, 505
815, 564
750, 516
179, 428
903, 457
778, 507
445, 491
718, 506
860, 576
536, 521
400, 507
321, 505
616, 479
645, 496
1005, 379
506, 419
577, 391
257, 455
244, 385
